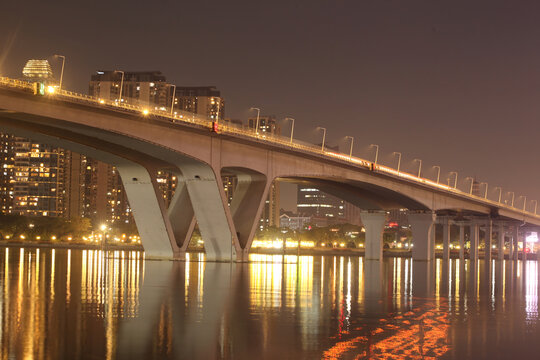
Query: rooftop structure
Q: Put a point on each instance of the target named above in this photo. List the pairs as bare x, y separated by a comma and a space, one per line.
37, 70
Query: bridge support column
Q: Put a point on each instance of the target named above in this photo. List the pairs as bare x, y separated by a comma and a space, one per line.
511, 246
500, 245
474, 235
446, 239
374, 225
246, 207
181, 216
488, 239
422, 232
515, 242
461, 242
211, 210
149, 211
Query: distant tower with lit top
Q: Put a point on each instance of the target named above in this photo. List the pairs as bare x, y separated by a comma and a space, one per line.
38, 70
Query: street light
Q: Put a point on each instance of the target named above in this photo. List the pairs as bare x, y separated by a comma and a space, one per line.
535, 204
258, 115
292, 127
173, 95
376, 152
472, 183
419, 166
438, 172
500, 192
62, 71
512, 203
455, 180
486, 189
121, 85
323, 137
399, 159
352, 142
524, 201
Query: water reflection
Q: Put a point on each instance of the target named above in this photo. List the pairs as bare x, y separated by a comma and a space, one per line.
94, 304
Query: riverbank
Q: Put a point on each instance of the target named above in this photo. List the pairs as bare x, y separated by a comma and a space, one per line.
78, 246
387, 253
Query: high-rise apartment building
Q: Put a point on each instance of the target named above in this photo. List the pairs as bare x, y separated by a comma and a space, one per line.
202, 100
267, 124
143, 88
32, 180
38, 181
150, 88
7, 175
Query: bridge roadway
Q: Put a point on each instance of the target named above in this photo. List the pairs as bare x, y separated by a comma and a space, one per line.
140, 141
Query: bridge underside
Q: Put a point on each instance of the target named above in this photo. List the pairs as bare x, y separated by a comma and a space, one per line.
199, 197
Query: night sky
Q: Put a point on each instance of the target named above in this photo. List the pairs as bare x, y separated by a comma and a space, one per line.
455, 83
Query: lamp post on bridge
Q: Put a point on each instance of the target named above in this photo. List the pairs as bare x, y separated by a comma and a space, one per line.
352, 142
419, 166
323, 137
472, 183
258, 115
121, 85
292, 127
376, 152
62, 71
512, 203
486, 189
500, 192
535, 204
438, 172
455, 181
173, 95
524, 201
399, 160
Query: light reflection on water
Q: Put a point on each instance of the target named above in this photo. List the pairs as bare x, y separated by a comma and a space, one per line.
92, 304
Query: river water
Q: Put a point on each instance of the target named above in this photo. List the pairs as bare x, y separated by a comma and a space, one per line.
75, 304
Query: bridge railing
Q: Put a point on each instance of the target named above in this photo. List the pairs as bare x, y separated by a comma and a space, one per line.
184, 117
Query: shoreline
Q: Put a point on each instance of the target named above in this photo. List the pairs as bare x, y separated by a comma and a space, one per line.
387, 253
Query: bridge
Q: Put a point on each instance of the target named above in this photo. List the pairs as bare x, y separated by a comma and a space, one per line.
138, 141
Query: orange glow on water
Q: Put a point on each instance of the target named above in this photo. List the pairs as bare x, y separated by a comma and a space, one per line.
422, 336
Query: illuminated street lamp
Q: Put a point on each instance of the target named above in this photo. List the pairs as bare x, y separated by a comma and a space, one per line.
486, 189
258, 115
352, 143
419, 166
455, 180
121, 85
472, 183
438, 172
500, 192
292, 127
62, 71
376, 152
399, 159
323, 136
173, 95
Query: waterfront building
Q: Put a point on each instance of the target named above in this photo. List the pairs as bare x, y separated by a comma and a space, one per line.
294, 222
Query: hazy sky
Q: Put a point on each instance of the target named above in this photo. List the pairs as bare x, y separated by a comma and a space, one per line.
455, 83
